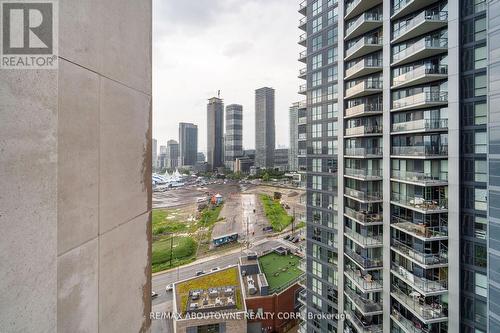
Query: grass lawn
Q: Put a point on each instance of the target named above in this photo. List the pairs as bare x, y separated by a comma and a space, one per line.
224, 278
280, 270
167, 221
184, 251
208, 217
277, 215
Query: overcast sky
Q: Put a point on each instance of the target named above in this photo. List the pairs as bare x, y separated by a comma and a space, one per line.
237, 46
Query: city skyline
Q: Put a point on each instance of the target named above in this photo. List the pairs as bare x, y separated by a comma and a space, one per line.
182, 32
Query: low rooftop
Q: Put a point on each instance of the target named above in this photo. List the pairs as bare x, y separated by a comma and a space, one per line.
280, 270
216, 291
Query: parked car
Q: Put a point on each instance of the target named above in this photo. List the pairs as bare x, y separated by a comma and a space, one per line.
169, 287
154, 294
215, 269
200, 273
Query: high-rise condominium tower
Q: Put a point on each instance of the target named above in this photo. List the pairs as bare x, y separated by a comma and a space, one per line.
188, 144
215, 133
265, 140
293, 159
234, 134
397, 176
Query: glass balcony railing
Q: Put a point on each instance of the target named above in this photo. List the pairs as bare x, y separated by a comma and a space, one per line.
419, 307
363, 130
364, 152
363, 261
303, 55
439, 258
421, 45
364, 87
426, 15
303, 22
366, 282
423, 98
362, 19
423, 284
364, 108
420, 230
363, 195
363, 216
302, 136
303, 39
368, 240
302, 121
366, 63
424, 178
408, 325
424, 151
421, 125
365, 305
366, 41
303, 7
302, 88
427, 205
302, 72
366, 174
418, 72
362, 325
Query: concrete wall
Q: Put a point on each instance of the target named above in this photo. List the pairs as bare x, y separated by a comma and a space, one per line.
75, 177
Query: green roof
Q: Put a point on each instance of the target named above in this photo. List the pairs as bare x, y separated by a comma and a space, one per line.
228, 277
280, 270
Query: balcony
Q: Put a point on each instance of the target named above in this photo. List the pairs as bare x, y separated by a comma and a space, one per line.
302, 153
420, 125
363, 262
439, 259
364, 23
363, 174
302, 137
375, 152
303, 7
405, 324
302, 73
365, 130
427, 313
303, 39
302, 121
423, 23
363, 196
363, 88
420, 75
425, 206
303, 56
420, 178
404, 7
365, 283
422, 285
364, 305
364, 217
363, 241
362, 325
363, 46
303, 297
421, 231
420, 152
423, 48
302, 23
424, 99
303, 89
363, 67
357, 7
365, 109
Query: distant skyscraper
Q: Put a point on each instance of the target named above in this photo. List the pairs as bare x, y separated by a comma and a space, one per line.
172, 154
264, 127
215, 133
155, 153
281, 159
188, 143
234, 134
200, 157
293, 159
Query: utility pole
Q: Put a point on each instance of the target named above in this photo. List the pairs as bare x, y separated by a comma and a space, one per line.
171, 248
